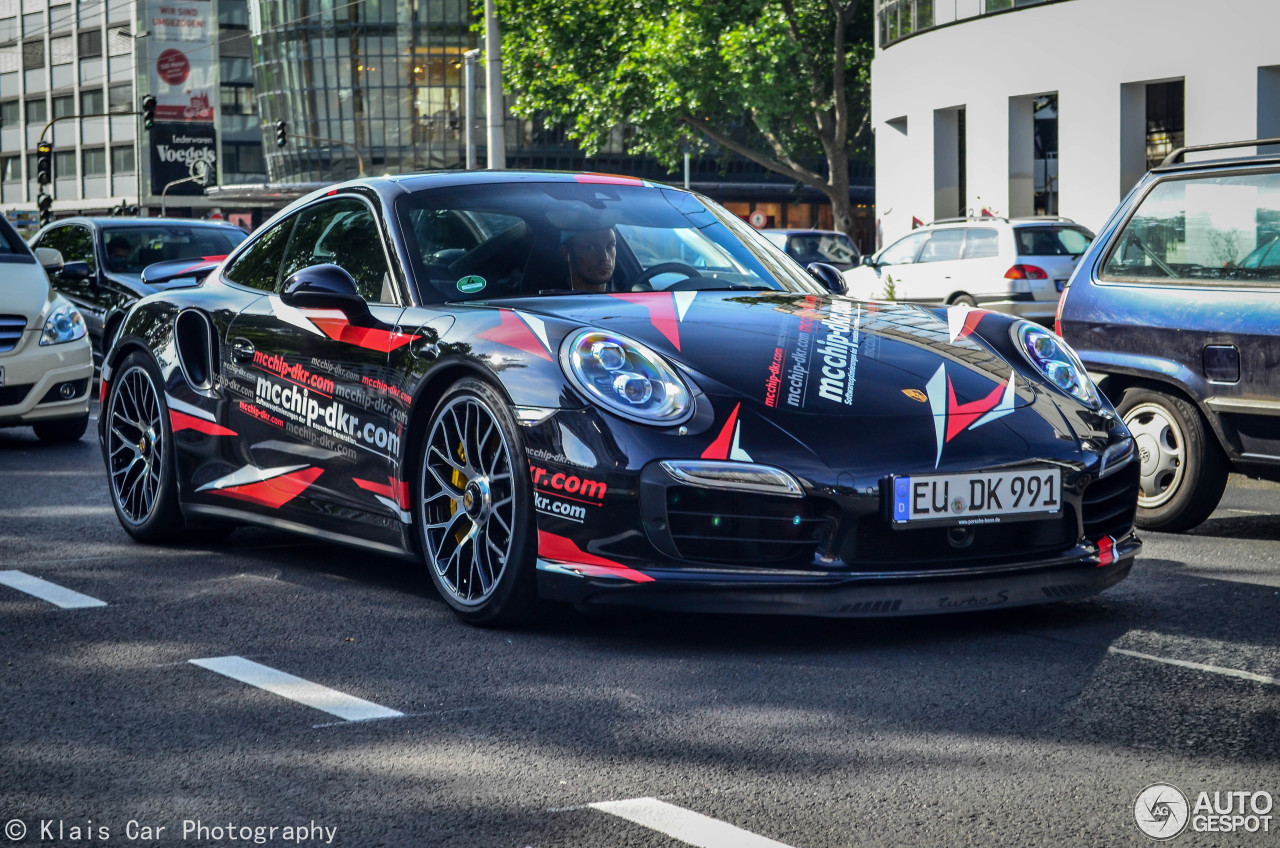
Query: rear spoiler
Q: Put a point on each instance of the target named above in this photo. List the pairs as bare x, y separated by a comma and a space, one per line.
177, 273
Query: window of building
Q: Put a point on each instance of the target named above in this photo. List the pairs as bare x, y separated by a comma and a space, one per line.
119, 41
60, 50
33, 55
64, 106
1166, 120
33, 23
10, 169
37, 112
60, 17
120, 96
90, 44
8, 29
64, 164
94, 162
122, 161
238, 100
92, 102
10, 113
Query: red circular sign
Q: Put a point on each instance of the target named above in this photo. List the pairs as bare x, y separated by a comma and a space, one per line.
758, 219
173, 67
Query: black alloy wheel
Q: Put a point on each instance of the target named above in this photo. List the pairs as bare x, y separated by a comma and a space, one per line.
139, 448
475, 515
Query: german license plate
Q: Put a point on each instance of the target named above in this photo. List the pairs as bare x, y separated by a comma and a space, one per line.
975, 499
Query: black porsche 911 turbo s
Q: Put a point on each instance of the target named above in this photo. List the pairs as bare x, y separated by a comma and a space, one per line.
409, 365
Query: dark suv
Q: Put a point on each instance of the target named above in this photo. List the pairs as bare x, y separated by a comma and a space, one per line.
1175, 310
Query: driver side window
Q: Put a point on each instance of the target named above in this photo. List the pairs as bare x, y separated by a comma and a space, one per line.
904, 250
343, 233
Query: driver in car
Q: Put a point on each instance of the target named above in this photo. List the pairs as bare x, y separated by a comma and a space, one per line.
592, 256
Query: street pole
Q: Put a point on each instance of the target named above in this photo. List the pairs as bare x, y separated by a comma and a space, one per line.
493, 86
686, 169
469, 78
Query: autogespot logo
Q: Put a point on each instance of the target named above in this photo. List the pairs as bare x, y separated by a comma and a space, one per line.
1161, 811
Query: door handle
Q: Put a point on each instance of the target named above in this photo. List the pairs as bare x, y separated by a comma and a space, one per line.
242, 350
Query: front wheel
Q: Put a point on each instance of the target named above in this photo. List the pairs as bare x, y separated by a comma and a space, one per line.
139, 449
475, 511
963, 299
1184, 471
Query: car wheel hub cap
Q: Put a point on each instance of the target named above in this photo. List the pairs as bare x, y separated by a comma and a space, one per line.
476, 501
1161, 450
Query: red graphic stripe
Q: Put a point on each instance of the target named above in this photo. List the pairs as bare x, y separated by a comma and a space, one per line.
397, 491
275, 492
340, 329
961, 415
562, 549
971, 322
182, 421
513, 332
1106, 550
719, 449
203, 261
662, 312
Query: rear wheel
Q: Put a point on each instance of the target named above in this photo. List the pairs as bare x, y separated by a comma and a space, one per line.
65, 430
475, 514
139, 448
1184, 471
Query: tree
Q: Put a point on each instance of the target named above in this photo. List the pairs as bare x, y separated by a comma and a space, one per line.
785, 83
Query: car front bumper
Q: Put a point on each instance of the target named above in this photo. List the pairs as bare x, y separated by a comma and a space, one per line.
37, 379
1087, 570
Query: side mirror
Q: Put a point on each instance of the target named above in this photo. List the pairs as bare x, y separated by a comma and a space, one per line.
867, 260
74, 271
325, 287
49, 259
829, 276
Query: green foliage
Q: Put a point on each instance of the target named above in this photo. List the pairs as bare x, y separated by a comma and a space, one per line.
752, 75
890, 288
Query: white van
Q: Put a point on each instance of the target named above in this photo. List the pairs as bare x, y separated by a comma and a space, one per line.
46, 363
1018, 266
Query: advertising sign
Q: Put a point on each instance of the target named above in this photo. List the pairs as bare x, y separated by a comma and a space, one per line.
182, 69
179, 151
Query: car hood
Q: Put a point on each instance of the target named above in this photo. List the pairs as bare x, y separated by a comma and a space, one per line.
26, 292
811, 354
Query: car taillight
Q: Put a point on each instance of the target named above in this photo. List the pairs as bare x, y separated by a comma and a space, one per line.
1025, 272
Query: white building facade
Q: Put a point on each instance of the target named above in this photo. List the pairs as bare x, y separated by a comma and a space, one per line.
1019, 107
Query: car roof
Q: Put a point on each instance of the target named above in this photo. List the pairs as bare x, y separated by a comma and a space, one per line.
111, 221
803, 231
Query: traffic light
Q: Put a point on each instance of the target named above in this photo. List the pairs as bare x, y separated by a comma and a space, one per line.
282, 133
148, 112
44, 163
44, 203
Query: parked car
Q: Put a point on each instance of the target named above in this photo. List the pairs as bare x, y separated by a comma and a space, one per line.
1174, 309
827, 246
45, 361
115, 251
373, 368
1017, 266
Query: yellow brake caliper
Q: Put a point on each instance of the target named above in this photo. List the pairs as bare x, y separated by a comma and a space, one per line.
459, 483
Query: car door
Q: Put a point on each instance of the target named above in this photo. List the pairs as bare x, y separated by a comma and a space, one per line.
891, 272
330, 413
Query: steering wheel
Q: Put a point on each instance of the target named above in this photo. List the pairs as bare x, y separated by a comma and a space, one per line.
641, 283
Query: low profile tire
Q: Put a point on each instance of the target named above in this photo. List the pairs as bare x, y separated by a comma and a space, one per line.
139, 446
65, 430
1183, 469
963, 300
475, 511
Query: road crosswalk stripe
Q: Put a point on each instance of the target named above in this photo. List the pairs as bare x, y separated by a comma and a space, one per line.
347, 707
685, 825
46, 591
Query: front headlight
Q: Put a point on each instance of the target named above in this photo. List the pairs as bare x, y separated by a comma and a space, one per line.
65, 324
1055, 359
626, 378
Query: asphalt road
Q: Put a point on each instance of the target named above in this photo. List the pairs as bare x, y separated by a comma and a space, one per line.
1017, 727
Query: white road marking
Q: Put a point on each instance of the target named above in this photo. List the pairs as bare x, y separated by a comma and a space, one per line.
322, 698
1214, 669
46, 591
685, 825
58, 511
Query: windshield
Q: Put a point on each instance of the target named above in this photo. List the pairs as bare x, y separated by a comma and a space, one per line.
832, 248
515, 240
130, 249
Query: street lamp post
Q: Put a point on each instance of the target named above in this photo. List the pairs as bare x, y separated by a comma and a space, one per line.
493, 85
469, 78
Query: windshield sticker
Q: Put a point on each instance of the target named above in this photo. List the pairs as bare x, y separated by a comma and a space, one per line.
472, 284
